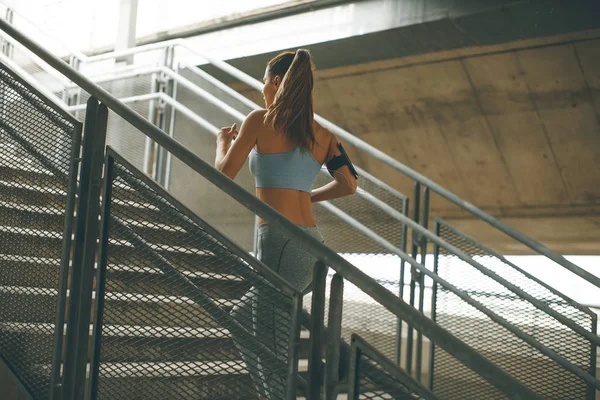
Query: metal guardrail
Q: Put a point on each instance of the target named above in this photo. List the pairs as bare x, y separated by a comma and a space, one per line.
451, 344
33, 133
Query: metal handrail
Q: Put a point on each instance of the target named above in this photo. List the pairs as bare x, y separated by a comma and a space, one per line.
66, 47
43, 66
444, 339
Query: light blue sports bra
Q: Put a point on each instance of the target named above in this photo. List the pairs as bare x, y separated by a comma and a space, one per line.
290, 170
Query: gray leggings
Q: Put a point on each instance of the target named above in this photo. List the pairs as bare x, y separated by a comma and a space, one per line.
270, 322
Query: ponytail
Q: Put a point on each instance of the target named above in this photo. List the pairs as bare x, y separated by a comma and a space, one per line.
292, 110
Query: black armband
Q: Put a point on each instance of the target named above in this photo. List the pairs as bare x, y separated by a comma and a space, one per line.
339, 161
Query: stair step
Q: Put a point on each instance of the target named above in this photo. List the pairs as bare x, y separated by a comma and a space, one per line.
43, 272
39, 305
36, 242
129, 343
29, 175
40, 193
50, 218
31, 194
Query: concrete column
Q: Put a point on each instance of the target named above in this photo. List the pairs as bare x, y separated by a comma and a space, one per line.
126, 28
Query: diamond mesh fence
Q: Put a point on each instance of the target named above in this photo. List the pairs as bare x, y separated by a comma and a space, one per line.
185, 313
377, 378
361, 314
121, 135
225, 214
495, 342
40, 71
36, 210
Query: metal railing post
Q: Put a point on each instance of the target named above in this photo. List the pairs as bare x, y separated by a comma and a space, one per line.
354, 371
55, 383
403, 244
316, 332
293, 347
164, 117
436, 255
84, 254
421, 281
101, 278
7, 47
594, 357
414, 275
334, 334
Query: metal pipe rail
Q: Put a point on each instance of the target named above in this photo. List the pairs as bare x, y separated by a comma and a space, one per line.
444, 339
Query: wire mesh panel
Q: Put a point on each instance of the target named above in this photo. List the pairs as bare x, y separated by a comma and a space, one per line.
372, 376
36, 209
121, 135
361, 314
494, 341
342, 237
217, 208
185, 314
39, 70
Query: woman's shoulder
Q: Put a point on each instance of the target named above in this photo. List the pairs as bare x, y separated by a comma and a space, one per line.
257, 116
322, 135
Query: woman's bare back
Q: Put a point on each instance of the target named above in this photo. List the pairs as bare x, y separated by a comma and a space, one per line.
293, 204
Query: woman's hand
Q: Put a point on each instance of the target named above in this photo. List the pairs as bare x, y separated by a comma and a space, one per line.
227, 135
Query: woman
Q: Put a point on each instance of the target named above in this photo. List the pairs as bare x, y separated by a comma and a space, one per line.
287, 148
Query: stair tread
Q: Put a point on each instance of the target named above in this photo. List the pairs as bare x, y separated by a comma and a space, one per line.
174, 369
42, 233
116, 296
31, 209
112, 330
121, 268
52, 211
23, 168
62, 192
33, 188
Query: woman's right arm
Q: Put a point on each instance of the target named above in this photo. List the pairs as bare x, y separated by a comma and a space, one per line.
344, 182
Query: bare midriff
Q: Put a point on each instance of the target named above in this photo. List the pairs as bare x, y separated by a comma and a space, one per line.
293, 204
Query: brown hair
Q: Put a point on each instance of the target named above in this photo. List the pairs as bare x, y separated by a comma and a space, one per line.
292, 110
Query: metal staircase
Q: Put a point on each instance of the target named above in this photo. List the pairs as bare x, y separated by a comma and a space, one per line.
137, 303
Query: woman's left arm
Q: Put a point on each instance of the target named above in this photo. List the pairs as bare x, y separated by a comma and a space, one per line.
233, 147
